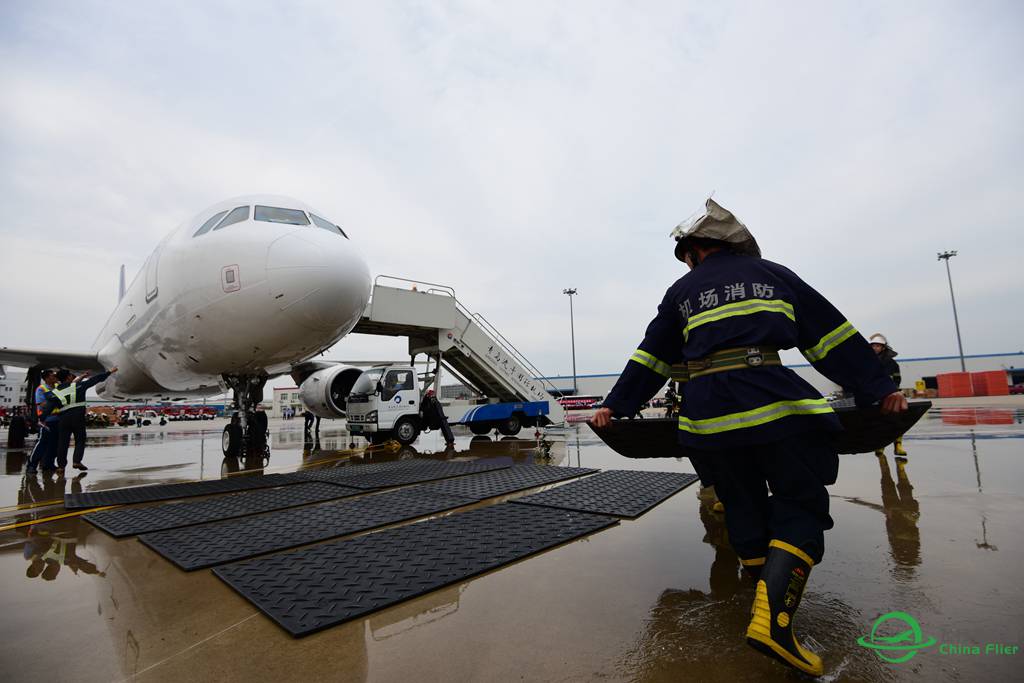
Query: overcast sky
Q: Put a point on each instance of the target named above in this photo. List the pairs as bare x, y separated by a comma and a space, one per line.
512, 150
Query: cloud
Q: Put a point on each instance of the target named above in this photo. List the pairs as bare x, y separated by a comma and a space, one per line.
513, 150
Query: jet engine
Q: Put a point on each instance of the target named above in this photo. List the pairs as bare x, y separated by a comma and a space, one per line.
325, 392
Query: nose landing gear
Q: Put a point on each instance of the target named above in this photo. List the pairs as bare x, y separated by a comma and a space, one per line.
246, 436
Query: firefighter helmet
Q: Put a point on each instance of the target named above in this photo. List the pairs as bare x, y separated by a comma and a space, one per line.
716, 223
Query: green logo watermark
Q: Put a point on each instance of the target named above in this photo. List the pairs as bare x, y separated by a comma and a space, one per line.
899, 647
896, 637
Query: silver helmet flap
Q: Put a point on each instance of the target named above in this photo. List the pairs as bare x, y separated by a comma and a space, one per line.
716, 223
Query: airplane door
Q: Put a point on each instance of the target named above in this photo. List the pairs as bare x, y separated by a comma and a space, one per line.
151, 274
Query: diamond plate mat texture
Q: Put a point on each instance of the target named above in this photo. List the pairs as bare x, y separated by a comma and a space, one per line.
429, 471
149, 494
206, 545
131, 521
622, 493
314, 588
354, 469
483, 486
371, 476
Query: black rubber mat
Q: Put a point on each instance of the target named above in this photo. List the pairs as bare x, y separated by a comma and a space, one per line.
482, 486
131, 521
206, 545
314, 588
354, 469
422, 473
155, 492
623, 493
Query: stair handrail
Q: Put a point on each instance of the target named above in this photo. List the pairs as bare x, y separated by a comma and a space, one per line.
441, 289
498, 337
488, 329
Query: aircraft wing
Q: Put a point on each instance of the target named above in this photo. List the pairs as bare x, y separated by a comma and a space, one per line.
30, 358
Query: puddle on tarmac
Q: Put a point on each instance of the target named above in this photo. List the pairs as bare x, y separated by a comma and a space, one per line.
655, 599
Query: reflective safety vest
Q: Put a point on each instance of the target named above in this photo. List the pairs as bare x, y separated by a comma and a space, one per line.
736, 303
68, 397
41, 392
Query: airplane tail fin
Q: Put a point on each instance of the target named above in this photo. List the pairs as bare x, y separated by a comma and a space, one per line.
120, 286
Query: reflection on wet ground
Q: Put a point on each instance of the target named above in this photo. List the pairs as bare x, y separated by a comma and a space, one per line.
659, 598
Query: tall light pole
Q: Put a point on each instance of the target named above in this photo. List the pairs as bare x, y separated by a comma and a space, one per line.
572, 331
945, 256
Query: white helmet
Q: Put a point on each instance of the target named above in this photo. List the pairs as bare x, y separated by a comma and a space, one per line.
878, 338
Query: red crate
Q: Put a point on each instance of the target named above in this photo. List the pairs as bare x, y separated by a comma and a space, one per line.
990, 383
955, 384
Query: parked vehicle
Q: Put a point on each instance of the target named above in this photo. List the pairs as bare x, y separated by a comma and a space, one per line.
386, 402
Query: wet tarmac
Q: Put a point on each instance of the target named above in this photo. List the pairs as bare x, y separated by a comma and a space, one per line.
659, 598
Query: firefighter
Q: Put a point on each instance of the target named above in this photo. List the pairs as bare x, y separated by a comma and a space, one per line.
755, 423
886, 356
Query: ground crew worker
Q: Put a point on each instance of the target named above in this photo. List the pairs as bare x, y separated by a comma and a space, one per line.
886, 356
71, 393
45, 450
757, 424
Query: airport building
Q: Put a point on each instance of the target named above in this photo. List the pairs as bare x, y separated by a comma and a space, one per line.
10, 389
285, 397
911, 369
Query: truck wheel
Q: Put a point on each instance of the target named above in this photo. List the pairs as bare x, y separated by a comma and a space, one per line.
480, 428
231, 440
511, 426
406, 431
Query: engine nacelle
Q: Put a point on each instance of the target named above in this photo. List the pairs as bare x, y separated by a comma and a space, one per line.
325, 392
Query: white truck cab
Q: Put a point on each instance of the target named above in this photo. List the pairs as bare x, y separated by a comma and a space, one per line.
385, 403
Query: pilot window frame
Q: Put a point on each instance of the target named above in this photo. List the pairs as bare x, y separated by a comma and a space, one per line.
327, 225
262, 213
208, 225
236, 215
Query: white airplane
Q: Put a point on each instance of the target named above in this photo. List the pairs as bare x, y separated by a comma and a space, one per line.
251, 288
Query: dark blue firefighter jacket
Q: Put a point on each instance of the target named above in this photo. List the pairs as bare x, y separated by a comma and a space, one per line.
735, 301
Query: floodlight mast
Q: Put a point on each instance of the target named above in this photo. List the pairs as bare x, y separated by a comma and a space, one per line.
572, 331
945, 256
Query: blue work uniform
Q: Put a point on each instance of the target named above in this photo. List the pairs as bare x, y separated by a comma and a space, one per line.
756, 426
47, 410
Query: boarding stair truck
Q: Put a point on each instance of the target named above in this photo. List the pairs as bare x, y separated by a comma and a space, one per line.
466, 345
386, 403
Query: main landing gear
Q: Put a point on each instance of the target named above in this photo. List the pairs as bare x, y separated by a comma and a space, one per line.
246, 436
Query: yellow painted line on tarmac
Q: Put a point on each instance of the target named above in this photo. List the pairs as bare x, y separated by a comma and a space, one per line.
29, 506
33, 522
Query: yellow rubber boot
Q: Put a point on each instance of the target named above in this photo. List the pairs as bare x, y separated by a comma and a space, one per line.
776, 601
898, 450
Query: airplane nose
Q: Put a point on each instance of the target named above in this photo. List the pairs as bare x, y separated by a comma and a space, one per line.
318, 281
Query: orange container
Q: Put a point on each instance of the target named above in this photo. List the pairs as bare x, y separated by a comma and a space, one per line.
955, 384
990, 383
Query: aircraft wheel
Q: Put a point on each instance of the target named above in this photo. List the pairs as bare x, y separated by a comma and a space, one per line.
480, 428
231, 440
511, 426
406, 431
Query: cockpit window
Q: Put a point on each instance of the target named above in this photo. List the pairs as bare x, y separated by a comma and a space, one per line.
273, 214
237, 215
209, 224
327, 225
